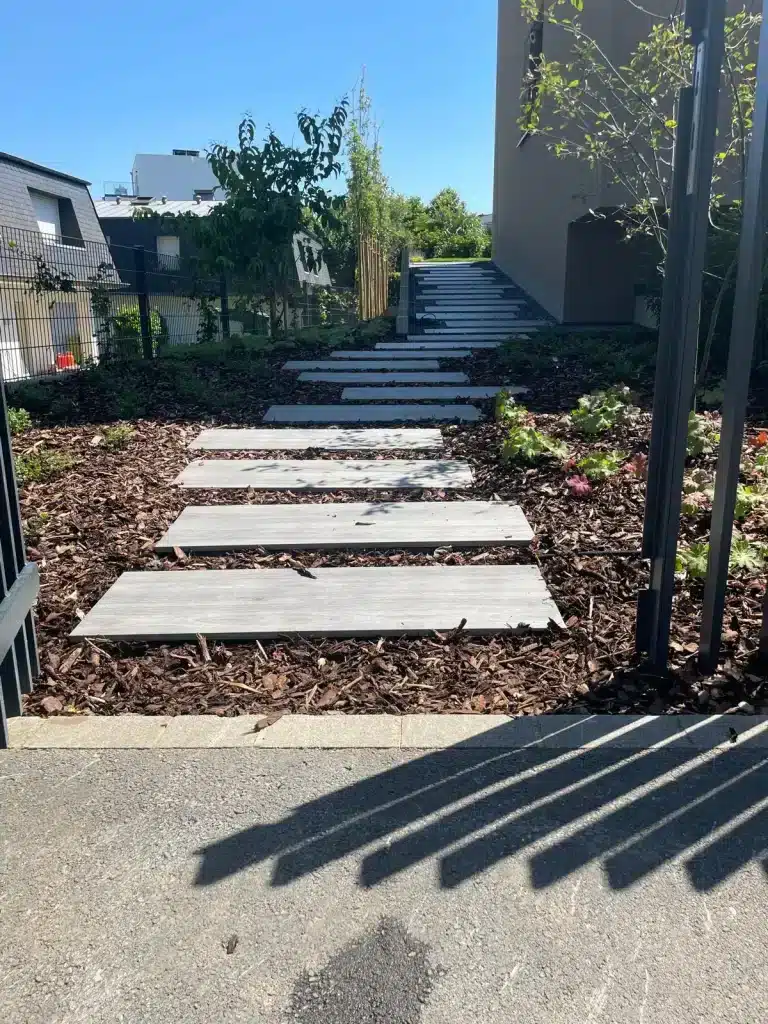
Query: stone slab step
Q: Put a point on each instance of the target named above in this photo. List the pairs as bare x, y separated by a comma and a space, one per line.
430, 306
408, 524
447, 332
393, 353
428, 346
249, 604
367, 364
371, 413
423, 394
382, 377
254, 439
324, 474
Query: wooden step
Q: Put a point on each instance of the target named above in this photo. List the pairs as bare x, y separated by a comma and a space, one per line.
324, 474
371, 413
248, 604
285, 439
408, 524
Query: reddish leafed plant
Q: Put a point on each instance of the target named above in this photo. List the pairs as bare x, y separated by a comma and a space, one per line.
579, 486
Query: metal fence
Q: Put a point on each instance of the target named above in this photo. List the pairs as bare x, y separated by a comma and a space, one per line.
19, 585
66, 304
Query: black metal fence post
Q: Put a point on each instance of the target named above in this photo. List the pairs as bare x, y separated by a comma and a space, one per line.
140, 265
705, 19
749, 283
224, 297
19, 585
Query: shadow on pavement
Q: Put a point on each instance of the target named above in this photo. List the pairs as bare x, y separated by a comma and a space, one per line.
630, 809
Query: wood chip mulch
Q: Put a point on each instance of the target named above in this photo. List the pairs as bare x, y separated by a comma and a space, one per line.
103, 516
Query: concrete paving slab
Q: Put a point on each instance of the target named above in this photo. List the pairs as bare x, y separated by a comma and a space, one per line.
425, 394
355, 525
536, 886
324, 474
384, 377
361, 364
371, 413
247, 604
440, 337
339, 439
393, 353
427, 345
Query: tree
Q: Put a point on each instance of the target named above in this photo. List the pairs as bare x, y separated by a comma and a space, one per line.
450, 230
273, 192
621, 119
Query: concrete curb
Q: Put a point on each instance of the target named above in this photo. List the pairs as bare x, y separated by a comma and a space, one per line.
418, 732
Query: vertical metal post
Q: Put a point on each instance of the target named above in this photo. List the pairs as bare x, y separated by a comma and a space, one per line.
140, 266
679, 333
749, 281
224, 297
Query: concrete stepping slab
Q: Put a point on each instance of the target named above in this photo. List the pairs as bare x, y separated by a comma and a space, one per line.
368, 364
456, 331
393, 353
371, 413
249, 604
438, 338
472, 307
429, 346
359, 525
324, 474
424, 394
256, 439
382, 377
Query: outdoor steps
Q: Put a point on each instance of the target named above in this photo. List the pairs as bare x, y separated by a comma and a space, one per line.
354, 525
256, 439
248, 604
384, 352
377, 413
426, 394
344, 376
325, 474
428, 346
460, 337
368, 364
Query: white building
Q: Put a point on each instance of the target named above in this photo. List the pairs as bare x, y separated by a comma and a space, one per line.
181, 174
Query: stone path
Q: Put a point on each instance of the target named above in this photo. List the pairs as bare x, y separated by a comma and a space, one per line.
457, 308
250, 604
324, 474
352, 524
227, 439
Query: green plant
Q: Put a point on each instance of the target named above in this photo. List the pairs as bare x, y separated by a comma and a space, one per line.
748, 499
117, 437
601, 465
125, 330
703, 435
604, 410
19, 420
208, 323
508, 410
746, 556
527, 444
41, 464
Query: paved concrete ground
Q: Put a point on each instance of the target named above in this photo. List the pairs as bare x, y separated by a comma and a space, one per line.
611, 885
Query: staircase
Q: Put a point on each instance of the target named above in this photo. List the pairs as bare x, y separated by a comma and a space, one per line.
458, 308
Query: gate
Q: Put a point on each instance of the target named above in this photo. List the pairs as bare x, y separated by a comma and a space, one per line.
19, 585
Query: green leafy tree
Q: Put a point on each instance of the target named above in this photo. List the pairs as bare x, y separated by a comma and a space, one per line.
449, 229
273, 192
621, 119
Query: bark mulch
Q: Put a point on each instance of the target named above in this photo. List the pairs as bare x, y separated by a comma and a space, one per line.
102, 517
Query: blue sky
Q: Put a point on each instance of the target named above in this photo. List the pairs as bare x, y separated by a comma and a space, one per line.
96, 82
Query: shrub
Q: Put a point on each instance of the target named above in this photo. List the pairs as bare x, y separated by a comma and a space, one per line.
19, 420
703, 435
604, 410
527, 444
115, 438
125, 332
508, 411
748, 499
41, 464
601, 465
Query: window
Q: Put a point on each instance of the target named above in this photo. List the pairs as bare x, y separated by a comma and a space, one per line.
56, 220
168, 250
531, 75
